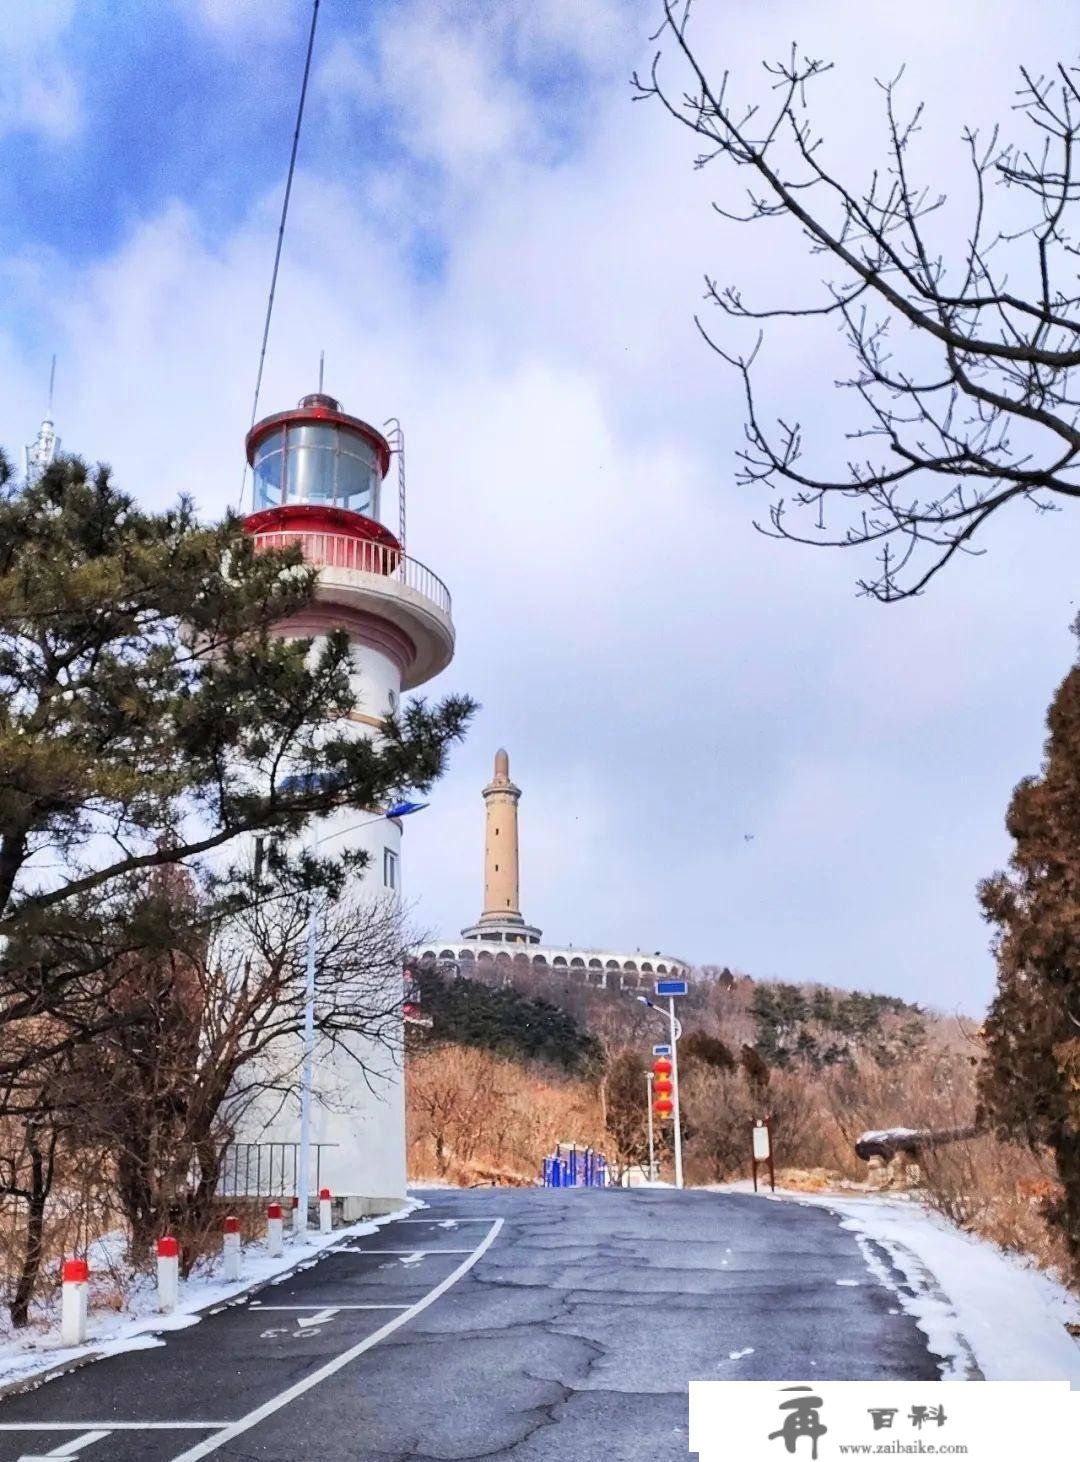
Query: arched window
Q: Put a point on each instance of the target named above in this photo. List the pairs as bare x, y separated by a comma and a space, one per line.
661, 969
594, 964
577, 963
559, 960
612, 964
646, 967
540, 959
630, 967
446, 954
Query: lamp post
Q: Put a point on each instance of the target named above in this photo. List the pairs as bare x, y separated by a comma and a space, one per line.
648, 1108
307, 1072
675, 1026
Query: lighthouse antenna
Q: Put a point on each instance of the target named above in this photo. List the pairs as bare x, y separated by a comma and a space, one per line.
322, 363
52, 383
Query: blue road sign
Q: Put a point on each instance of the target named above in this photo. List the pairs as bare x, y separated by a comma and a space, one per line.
661, 1050
671, 987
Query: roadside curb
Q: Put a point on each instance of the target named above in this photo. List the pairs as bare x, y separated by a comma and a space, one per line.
24, 1384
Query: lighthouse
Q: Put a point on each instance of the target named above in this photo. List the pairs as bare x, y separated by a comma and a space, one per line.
319, 475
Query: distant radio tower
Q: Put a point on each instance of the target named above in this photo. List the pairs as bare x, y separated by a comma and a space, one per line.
41, 453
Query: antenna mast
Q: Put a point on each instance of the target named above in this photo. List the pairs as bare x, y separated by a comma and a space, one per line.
39, 456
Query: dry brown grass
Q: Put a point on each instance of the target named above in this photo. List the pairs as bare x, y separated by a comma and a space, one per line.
473, 1117
476, 1118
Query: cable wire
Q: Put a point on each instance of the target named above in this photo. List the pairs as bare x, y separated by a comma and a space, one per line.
281, 225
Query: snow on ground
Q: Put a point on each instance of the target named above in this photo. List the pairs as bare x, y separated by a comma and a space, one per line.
973, 1301
36, 1350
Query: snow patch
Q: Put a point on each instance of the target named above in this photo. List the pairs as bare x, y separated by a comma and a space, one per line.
971, 1300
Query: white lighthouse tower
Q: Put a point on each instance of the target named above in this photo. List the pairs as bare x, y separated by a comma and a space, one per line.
318, 482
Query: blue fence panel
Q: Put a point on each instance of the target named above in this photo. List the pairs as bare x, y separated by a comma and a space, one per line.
578, 1168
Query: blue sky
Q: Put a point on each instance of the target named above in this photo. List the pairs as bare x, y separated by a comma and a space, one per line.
491, 242
171, 106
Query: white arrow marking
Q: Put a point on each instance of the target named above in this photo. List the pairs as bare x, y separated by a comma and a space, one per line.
413, 1258
68, 1449
319, 1319
448, 1223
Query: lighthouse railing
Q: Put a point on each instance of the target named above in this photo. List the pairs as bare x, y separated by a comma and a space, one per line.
364, 556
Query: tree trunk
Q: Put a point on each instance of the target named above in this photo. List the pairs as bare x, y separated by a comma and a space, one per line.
40, 1183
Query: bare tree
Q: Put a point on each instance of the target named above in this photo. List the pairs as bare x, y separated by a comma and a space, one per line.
452, 1090
215, 1029
962, 390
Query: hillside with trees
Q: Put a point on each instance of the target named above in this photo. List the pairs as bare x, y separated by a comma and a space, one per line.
824, 1064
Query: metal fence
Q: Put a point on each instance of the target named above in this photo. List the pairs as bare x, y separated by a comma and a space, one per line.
266, 1169
576, 1167
361, 555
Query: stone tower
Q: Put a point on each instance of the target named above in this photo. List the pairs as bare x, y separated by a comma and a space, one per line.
501, 920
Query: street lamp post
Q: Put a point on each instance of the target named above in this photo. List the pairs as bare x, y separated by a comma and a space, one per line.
676, 1031
307, 1072
648, 1106
675, 1026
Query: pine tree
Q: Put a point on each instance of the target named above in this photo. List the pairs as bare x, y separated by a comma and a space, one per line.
1030, 1085
149, 716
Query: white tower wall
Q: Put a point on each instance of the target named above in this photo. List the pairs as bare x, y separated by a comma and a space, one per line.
317, 473
358, 1106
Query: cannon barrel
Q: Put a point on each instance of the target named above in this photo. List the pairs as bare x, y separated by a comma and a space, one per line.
909, 1141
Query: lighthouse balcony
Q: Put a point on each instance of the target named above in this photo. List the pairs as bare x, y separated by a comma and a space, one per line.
374, 577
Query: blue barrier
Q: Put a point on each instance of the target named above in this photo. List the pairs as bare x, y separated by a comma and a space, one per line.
579, 1168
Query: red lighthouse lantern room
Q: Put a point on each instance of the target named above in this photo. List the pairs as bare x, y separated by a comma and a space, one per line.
318, 477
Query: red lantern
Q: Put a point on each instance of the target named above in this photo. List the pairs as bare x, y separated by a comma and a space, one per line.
662, 1087
661, 1067
663, 1106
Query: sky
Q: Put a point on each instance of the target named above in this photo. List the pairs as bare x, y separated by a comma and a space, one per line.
725, 753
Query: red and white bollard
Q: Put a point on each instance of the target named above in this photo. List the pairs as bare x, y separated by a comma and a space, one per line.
76, 1280
168, 1274
298, 1223
273, 1229
230, 1249
326, 1221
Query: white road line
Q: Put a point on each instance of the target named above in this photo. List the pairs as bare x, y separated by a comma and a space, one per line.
261, 1309
112, 1426
412, 1253
68, 1449
285, 1398
444, 1222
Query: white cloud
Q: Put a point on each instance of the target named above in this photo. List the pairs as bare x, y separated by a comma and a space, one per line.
666, 680
231, 20
38, 89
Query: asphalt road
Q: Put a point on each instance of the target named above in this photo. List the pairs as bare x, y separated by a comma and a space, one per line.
524, 1325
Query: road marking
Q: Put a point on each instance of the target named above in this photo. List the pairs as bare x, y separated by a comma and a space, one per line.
412, 1253
263, 1308
319, 1319
112, 1426
68, 1449
268, 1408
444, 1222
